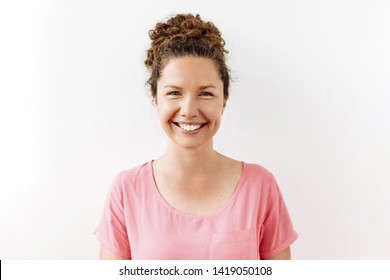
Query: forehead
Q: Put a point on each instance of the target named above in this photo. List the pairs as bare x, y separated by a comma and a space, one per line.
191, 70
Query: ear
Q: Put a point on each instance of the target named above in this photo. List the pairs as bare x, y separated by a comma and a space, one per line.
224, 105
154, 102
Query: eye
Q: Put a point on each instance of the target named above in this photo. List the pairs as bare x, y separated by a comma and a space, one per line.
173, 93
206, 93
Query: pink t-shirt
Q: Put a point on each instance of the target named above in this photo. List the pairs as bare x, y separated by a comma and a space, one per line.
139, 224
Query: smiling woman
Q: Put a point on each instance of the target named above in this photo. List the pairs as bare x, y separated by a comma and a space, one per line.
193, 202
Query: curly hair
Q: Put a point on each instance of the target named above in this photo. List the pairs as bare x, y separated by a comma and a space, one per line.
185, 35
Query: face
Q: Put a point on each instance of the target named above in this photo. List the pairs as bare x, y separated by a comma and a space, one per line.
190, 101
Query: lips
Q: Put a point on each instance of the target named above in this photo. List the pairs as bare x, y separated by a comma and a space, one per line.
189, 126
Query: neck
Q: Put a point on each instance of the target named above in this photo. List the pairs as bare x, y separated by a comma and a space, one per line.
190, 161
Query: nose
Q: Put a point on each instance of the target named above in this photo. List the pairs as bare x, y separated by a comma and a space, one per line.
189, 107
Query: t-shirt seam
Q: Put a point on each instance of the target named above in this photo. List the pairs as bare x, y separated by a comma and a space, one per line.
126, 252
288, 241
125, 212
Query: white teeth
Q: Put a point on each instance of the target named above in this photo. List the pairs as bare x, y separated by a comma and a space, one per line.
189, 127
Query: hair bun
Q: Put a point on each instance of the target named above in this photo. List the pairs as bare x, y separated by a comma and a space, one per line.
179, 29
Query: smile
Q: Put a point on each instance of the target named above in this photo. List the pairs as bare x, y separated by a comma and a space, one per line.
190, 127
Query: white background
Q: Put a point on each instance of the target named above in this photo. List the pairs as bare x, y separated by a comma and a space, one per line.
310, 102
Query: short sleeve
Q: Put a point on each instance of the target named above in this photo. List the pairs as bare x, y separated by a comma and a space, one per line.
277, 232
112, 231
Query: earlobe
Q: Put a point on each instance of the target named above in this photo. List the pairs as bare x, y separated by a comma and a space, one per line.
154, 102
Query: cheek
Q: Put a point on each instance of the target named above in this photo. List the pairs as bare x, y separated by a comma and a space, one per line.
165, 112
214, 113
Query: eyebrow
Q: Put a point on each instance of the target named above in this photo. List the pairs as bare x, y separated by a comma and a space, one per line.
201, 87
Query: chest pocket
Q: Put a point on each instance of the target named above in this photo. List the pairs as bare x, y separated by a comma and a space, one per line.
237, 245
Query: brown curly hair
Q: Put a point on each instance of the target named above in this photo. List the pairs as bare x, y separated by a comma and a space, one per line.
185, 35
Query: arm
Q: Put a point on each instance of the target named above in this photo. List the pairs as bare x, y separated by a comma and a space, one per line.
285, 255
106, 254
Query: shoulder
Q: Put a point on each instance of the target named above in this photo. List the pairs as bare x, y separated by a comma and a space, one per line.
260, 180
127, 179
135, 173
254, 171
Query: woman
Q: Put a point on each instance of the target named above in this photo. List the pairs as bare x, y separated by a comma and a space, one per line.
193, 202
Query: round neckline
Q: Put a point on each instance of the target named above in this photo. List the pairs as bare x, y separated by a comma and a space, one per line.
172, 209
